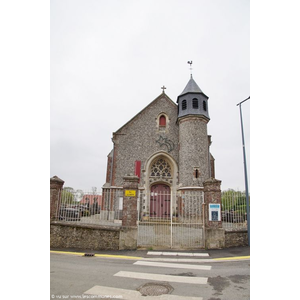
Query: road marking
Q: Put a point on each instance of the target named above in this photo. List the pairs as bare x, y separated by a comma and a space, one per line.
199, 260
187, 260
220, 259
116, 293
99, 255
66, 252
178, 266
160, 277
119, 256
232, 258
177, 253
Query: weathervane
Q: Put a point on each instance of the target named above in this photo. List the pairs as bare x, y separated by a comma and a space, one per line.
190, 63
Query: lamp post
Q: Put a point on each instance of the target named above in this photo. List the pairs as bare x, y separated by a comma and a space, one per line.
245, 171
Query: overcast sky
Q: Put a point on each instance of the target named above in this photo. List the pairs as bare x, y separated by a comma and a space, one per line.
109, 59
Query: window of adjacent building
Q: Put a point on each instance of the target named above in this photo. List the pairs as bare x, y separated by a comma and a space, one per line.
183, 105
195, 103
204, 105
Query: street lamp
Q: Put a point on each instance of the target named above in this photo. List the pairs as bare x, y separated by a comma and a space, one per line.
245, 171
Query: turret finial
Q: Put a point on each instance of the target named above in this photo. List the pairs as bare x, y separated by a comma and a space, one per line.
190, 63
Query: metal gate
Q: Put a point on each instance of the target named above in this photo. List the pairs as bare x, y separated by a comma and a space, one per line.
170, 221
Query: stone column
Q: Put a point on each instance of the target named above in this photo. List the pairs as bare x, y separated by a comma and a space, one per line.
56, 185
214, 233
128, 234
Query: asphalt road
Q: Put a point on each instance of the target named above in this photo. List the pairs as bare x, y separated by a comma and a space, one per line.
72, 275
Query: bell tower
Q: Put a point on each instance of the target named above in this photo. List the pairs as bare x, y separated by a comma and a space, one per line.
193, 116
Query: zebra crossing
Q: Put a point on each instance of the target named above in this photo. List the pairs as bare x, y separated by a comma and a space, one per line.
172, 263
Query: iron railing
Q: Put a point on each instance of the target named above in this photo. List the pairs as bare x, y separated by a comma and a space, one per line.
90, 207
234, 212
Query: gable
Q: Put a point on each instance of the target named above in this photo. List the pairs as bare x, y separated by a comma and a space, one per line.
168, 103
142, 136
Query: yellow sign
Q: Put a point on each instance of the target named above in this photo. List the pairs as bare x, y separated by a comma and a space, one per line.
130, 193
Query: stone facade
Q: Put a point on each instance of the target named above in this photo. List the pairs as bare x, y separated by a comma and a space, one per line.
180, 141
137, 140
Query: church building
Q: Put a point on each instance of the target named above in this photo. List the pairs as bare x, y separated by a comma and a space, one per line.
167, 146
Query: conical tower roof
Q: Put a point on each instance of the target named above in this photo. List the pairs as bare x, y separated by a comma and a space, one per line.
191, 87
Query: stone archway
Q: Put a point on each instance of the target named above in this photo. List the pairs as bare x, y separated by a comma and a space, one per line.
160, 169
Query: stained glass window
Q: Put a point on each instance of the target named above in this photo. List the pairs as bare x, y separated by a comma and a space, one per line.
160, 168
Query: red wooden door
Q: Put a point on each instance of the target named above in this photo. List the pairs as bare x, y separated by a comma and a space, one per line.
160, 197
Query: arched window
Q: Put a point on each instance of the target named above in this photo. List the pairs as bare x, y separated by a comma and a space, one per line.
183, 105
162, 121
204, 105
195, 103
161, 168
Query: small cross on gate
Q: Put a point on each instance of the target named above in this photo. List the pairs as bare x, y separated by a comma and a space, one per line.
163, 88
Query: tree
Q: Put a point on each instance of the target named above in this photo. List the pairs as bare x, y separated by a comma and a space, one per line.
234, 201
67, 197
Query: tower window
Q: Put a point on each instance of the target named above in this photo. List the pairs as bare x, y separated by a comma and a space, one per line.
183, 105
204, 105
162, 121
195, 103
196, 173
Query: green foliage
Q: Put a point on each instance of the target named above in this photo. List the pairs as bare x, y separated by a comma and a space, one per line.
67, 196
234, 201
71, 196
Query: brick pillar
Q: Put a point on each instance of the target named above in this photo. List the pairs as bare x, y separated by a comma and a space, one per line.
130, 194
56, 185
128, 233
214, 233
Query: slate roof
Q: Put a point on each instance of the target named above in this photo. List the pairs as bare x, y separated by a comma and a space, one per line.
191, 87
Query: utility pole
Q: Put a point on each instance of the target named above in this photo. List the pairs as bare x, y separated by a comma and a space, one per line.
245, 171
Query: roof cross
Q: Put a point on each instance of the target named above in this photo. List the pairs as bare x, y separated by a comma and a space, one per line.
163, 88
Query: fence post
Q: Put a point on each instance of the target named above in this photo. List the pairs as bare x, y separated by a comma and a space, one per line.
56, 185
128, 235
214, 233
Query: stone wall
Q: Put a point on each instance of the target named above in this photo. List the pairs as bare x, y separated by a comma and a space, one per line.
89, 237
92, 237
236, 238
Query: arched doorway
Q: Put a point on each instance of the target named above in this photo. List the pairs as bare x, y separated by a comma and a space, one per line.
160, 199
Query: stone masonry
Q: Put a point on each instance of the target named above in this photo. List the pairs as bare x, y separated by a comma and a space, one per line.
214, 233
143, 130
130, 193
56, 185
